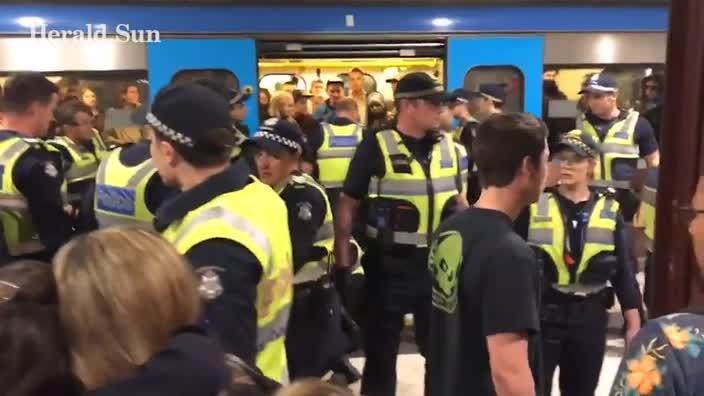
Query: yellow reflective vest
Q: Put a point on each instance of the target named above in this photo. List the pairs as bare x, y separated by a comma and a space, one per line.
427, 193
85, 163
21, 236
547, 233
336, 152
646, 213
101, 148
265, 234
618, 144
120, 192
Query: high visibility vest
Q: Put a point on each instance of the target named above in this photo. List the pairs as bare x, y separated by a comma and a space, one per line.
336, 152
618, 144
85, 163
547, 232
101, 148
21, 236
457, 134
646, 213
265, 234
324, 238
427, 193
120, 192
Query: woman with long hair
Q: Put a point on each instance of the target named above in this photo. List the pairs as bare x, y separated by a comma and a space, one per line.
130, 308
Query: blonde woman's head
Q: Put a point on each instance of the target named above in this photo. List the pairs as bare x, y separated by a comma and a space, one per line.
282, 105
313, 387
122, 294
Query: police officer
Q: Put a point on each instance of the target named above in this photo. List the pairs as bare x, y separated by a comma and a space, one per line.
238, 112
315, 340
645, 220
490, 100
75, 143
578, 235
226, 222
128, 189
466, 124
33, 219
409, 178
625, 138
336, 146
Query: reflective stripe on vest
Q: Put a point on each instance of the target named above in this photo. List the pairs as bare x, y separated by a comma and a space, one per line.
18, 229
428, 194
120, 192
647, 211
336, 152
547, 232
324, 238
262, 233
101, 149
619, 143
85, 163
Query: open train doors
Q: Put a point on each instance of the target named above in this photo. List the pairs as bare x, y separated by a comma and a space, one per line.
516, 62
232, 61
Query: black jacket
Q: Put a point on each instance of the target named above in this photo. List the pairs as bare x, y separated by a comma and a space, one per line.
191, 364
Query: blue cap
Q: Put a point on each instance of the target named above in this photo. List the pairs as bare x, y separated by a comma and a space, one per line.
493, 92
600, 83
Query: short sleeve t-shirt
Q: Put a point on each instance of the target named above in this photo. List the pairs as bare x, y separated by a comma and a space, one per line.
485, 282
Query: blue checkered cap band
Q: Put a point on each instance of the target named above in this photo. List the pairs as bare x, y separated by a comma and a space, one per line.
266, 132
171, 134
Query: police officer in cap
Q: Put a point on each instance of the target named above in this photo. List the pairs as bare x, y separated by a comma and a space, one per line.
314, 341
32, 213
75, 143
578, 235
409, 178
226, 222
627, 139
489, 101
128, 189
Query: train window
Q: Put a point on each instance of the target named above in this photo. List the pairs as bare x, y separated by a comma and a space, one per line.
510, 77
369, 81
223, 76
278, 81
631, 80
113, 96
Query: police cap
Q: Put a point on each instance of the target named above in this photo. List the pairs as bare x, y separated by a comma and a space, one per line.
494, 92
600, 83
419, 85
277, 135
581, 143
184, 112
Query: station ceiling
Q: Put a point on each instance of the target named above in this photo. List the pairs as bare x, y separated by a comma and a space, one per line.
366, 2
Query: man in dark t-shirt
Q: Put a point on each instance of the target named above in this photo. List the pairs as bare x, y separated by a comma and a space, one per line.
486, 282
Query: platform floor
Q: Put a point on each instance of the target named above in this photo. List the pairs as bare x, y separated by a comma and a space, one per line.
411, 371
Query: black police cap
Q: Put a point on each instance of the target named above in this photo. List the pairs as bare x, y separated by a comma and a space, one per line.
277, 135
581, 143
419, 85
183, 112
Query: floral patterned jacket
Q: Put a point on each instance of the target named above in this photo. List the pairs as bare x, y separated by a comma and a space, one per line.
665, 358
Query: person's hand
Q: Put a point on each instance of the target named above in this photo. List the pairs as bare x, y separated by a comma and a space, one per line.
631, 332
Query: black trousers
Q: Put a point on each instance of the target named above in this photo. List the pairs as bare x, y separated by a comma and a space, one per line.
392, 294
574, 338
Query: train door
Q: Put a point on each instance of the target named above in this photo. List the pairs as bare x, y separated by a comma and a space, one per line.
514, 62
232, 61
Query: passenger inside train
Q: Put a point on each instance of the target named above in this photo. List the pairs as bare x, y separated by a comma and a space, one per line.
265, 214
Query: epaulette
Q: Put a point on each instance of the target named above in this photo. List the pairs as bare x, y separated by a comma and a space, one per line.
298, 179
607, 192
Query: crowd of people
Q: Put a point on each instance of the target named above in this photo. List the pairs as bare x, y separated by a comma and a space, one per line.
203, 258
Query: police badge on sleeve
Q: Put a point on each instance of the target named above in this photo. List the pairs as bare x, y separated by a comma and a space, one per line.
305, 211
210, 286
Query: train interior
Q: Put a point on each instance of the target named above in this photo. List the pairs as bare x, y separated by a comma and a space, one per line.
105, 68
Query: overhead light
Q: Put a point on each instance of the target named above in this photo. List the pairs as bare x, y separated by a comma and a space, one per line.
441, 22
606, 48
648, 72
30, 22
